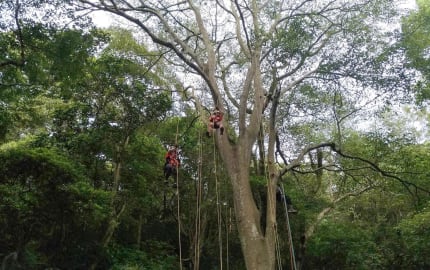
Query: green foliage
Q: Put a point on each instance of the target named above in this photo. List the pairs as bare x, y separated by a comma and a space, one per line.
37, 87
343, 246
416, 41
15, 154
99, 98
122, 258
415, 234
295, 39
5, 121
46, 201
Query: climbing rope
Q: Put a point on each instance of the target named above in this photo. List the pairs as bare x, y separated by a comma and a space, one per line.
278, 249
228, 229
198, 206
290, 239
272, 201
217, 203
178, 201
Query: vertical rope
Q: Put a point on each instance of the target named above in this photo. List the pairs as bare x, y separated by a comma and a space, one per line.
217, 203
278, 250
198, 207
228, 225
178, 200
290, 239
273, 203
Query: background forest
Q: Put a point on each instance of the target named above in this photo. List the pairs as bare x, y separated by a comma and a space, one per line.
88, 113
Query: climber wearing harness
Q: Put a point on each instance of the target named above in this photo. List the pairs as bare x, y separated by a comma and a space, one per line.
215, 122
172, 162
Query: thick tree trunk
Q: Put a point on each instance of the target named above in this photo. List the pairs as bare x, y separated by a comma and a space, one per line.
254, 245
257, 245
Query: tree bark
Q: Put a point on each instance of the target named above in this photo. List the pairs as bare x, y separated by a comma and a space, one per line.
258, 246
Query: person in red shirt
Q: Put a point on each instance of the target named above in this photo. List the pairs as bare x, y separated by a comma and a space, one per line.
172, 162
215, 122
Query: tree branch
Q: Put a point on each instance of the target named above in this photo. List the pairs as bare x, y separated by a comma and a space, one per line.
297, 162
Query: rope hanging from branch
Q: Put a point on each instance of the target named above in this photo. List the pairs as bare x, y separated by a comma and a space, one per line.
178, 202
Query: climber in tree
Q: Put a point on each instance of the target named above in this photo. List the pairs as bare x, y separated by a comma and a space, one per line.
172, 162
215, 122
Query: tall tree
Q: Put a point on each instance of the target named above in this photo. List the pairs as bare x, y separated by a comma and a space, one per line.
257, 56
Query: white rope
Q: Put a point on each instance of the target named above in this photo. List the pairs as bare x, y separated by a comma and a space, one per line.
278, 249
218, 204
198, 207
290, 239
178, 201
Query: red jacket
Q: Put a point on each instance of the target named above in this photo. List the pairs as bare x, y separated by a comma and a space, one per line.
216, 116
172, 158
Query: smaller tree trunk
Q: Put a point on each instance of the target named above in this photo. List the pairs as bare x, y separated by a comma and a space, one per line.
139, 231
115, 214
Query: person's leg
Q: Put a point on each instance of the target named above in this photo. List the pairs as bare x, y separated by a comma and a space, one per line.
210, 128
174, 173
167, 171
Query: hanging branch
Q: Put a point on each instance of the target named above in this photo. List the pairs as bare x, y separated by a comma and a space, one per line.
298, 161
20, 62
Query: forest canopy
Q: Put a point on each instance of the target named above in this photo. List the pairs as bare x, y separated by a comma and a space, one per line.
319, 159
